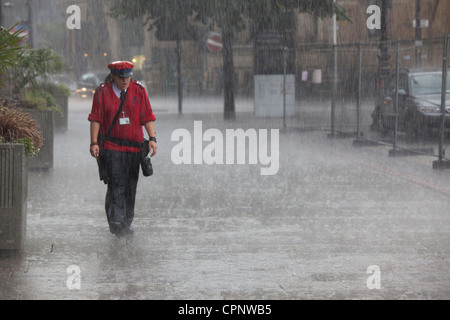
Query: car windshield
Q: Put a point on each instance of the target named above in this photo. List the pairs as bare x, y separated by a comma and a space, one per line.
430, 83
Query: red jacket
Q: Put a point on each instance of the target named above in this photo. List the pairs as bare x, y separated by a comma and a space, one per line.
137, 108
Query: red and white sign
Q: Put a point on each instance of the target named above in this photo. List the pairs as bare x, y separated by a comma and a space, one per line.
23, 32
214, 42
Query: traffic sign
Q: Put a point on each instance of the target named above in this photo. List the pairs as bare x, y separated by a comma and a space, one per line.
23, 32
423, 23
214, 42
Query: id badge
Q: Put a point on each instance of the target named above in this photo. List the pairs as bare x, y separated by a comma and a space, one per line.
124, 121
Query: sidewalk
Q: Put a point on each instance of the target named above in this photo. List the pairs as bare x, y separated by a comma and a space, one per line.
226, 232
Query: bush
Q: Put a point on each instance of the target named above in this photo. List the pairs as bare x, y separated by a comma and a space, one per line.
10, 48
38, 99
33, 64
54, 89
19, 127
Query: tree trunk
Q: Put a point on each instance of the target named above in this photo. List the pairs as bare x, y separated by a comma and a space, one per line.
113, 30
228, 75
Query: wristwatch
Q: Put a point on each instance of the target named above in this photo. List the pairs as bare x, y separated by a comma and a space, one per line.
153, 139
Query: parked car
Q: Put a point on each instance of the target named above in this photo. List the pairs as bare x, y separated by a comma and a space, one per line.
87, 84
419, 104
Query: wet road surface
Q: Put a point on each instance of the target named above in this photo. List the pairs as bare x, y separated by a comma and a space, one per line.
311, 231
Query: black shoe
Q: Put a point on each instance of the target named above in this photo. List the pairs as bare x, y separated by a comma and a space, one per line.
116, 228
128, 230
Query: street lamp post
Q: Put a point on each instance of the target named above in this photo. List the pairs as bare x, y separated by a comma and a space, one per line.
418, 36
334, 88
30, 23
384, 57
6, 5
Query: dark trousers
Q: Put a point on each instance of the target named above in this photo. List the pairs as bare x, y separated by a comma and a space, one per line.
123, 174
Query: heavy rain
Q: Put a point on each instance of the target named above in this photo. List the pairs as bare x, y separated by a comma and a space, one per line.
301, 151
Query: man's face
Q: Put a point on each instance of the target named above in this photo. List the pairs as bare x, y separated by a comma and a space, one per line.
121, 83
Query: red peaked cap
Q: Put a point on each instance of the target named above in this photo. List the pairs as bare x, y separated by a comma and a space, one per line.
123, 69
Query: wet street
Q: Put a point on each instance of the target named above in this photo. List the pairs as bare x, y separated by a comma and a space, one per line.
317, 229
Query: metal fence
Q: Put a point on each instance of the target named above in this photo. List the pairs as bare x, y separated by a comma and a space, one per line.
338, 89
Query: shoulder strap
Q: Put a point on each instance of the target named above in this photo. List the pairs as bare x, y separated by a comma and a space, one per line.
122, 102
141, 85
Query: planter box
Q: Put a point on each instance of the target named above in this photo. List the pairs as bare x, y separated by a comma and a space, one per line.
44, 158
13, 195
62, 120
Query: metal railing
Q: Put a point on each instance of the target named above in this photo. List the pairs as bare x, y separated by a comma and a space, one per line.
354, 77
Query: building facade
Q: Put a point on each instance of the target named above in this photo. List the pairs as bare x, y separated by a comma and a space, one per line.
101, 39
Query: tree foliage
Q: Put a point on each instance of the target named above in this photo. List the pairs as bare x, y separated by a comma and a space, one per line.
35, 63
169, 18
10, 48
230, 16
168, 15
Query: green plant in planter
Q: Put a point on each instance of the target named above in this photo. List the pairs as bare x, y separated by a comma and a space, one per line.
33, 64
38, 99
55, 89
10, 48
19, 127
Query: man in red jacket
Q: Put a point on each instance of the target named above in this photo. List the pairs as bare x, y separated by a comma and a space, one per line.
122, 149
